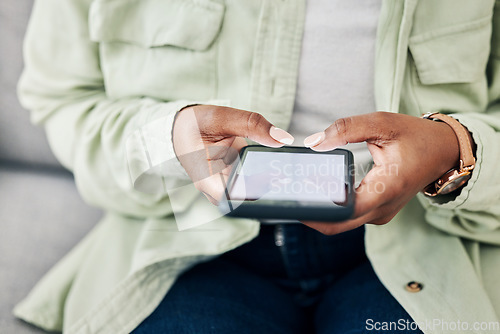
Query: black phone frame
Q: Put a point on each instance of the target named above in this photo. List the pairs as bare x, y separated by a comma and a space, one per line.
290, 210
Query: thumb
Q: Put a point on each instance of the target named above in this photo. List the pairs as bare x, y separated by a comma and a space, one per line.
227, 121
355, 129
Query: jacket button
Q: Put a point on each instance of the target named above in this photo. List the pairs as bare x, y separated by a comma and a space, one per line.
414, 286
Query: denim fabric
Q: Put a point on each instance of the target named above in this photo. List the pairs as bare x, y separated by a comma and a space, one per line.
290, 279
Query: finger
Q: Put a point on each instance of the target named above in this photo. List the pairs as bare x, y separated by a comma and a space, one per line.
373, 202
370, 127
377, 188
378, 216
199, 166
233, 153
389, 211
224, 151
226, 171
222, 121
212, 187
383, 220
239, 143
375, 216
331, 228
210, 198
220, 149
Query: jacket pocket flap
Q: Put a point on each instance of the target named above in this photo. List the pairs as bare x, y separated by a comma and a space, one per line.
190, 24
456, 54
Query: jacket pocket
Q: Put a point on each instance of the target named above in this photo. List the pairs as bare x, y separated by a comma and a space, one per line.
163, 49
456, 54
189, 24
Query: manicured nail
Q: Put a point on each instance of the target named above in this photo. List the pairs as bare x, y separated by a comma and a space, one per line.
314, 139
281, 135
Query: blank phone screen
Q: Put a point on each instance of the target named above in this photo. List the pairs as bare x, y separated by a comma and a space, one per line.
284, 176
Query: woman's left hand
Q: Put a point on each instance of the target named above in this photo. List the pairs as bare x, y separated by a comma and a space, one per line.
408, 154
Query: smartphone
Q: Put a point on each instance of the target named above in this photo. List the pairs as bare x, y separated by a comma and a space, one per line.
290, 183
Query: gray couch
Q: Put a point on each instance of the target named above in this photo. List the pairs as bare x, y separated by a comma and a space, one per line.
41, 214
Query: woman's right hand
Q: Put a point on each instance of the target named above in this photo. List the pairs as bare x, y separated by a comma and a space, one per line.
207, 140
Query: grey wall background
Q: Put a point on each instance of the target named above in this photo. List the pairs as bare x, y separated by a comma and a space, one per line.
18, 140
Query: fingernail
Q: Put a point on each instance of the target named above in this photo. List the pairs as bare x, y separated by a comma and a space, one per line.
281, 135
314, 139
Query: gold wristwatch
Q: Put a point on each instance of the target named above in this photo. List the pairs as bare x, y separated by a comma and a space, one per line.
458, 176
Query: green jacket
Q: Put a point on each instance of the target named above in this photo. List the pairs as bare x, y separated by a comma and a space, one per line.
106, 77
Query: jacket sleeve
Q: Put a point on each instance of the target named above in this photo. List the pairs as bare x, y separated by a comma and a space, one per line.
475, 212
108, 144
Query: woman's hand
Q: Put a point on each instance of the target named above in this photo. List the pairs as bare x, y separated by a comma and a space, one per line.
408, 154
207, 139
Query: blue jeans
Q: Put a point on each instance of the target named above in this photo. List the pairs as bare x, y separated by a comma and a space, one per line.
290, 279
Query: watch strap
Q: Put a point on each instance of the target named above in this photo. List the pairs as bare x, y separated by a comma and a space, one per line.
467, 160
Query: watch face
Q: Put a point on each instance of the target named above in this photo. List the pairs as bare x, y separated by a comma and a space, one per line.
454, 183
